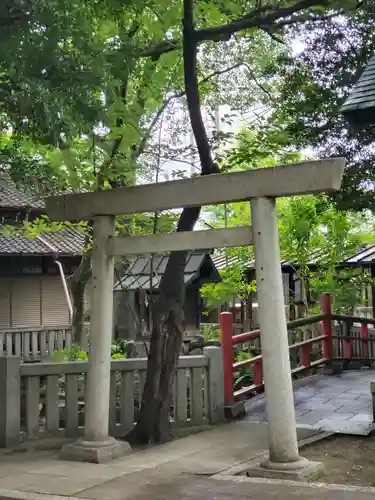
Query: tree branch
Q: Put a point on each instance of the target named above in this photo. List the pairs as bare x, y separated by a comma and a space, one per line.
155, 51
255, 18
190, 48
142, 146
261, 18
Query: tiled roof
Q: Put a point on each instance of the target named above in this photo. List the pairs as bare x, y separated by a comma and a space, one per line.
137, 275
65, 242
222, 261
364, 256
13, 198
360, 105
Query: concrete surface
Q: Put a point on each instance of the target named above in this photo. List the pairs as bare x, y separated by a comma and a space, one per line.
339, 403
246, 489
206, 453
198, 467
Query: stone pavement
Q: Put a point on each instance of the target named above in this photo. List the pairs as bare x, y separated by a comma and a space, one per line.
197, 467
249, 489
206, 453
340, 403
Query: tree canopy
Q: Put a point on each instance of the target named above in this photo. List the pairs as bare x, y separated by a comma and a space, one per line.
314, 83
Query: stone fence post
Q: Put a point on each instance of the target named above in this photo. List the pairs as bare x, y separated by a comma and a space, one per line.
10, 401
215, 384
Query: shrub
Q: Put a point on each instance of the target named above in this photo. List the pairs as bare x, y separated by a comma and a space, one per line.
74, 353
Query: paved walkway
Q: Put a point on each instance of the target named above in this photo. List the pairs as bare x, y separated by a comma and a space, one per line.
202, 466
247, 489
198, 467
340, 403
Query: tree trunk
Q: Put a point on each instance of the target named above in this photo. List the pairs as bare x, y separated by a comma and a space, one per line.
165, 346
78, 282
168, 321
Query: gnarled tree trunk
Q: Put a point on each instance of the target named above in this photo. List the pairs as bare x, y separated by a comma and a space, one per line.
168, 321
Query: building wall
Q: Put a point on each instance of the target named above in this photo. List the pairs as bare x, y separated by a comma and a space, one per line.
33, 301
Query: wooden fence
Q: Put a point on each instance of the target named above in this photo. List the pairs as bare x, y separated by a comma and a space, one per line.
46, 398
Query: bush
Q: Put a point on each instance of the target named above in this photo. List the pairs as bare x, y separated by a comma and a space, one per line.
74, 352
244, 377
210, 332
123, 347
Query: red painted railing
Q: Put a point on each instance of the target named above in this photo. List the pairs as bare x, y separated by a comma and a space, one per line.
304, 348
351, 345
342, 339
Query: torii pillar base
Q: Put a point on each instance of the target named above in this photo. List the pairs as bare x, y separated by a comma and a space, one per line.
94, 452
300, 470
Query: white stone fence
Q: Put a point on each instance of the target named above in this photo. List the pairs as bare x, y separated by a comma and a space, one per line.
34, 342
47, 399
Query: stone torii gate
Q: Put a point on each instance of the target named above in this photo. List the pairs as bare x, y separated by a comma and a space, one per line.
261, 187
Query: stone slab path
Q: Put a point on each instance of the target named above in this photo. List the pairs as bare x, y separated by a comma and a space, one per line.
198, 467
249, 489
339, 403
204, 454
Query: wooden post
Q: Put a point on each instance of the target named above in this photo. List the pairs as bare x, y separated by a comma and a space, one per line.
327, 327
257, 372
305, 355
97, 446
373, 289
226, 334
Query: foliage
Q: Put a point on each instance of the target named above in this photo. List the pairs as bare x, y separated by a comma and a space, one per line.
311, 230
121, 348
74, 352
118, 355
345, 287
314, 83
210, 332
233, 285
244, 376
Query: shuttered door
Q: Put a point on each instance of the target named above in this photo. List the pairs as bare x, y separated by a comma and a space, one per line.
4, 304
25, 297
55, 309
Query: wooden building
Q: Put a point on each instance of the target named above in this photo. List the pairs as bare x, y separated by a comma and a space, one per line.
133, 292
359, 108
31, 284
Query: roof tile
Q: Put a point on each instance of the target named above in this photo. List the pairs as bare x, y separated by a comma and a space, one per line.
11, 197
360, 105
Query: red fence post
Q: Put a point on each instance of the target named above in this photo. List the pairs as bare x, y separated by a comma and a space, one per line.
327, 327
257, 373
226, 335
306, 355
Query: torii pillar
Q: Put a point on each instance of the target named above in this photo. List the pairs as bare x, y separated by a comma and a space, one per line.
284, 458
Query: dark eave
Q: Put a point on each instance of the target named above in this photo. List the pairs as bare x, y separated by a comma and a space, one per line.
359, 108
